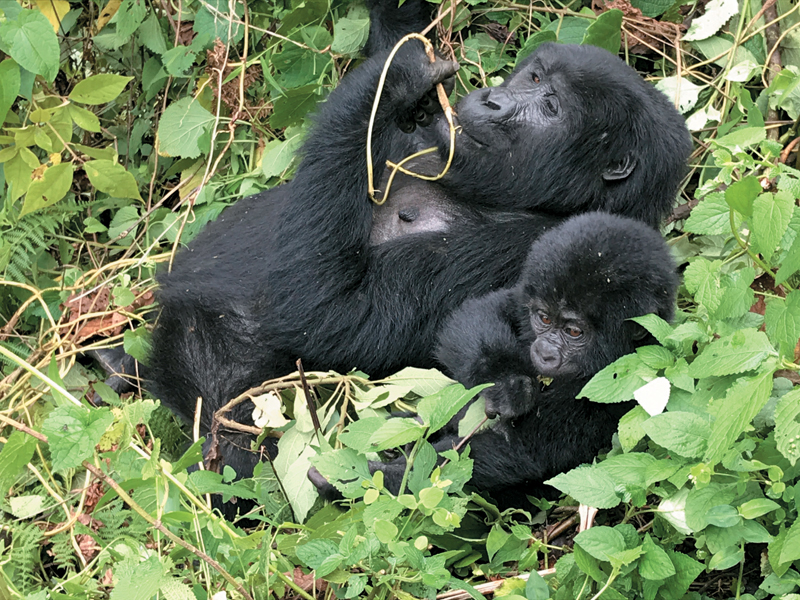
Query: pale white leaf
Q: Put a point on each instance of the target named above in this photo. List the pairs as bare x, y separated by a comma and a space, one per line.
673, 509
653, 396
268, 411
700, 118
681, 89
718, 12
743, 71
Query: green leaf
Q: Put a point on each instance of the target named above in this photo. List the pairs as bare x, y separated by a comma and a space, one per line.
394, 433
536, 588
151, 35
178, 60
423, 382
99, 89
758, 507
686, 571
718, 12
437, 409
601, 542
605, 31
588, 485
741, 195
655, 563
742, 139
124, 219
73, 432
9, 86
619, 380
684, 433
782, 320
112, 178
496, 539
745, 398
701, 500
570, 30
630, 427
31, 41
351, 32
138, 580
723, 515
314, 553
357, 435
16, 453
787, 426
220, 23
48, 190
278, 155
385, 531
737, 295
702, 278
136, 343
710, 217
292, 107
628, 469
743, 350
85, 119
431, 496
18, 174
130, 15
652, 8
345, 469
791, 544
181, 127
771, 214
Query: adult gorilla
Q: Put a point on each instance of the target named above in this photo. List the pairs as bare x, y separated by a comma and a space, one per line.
300, 271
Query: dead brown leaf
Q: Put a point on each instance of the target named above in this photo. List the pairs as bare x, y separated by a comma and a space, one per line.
230, 91
108, 324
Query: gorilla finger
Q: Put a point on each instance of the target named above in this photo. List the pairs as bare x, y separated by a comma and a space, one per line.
442, 70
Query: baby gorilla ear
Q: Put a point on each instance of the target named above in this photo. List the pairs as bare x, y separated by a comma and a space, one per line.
621, 169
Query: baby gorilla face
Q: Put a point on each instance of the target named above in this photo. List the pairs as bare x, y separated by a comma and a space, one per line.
562, 338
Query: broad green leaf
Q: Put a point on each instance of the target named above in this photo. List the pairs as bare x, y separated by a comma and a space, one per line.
351, 32
396, 432
771, 214
702, 278
496, 539
423, 382
630, 427
601, 542
85, 119
684, 433
686, 571
605, 31
652, 8
726, 558
536, 588
737, 295
357, 435
723, 515
9, 86
99, 89
437, 410
151, 35
181, 127
292, 107
628, 469
73, 432
655, 563
219, 23
315, 552
654, 324
112, 178
744, 350
48, 190
431, 496
717, 13
741, 195
701, 500
791, 264
710, 217
278, 155
130, 15
18, 174
16, 453
787, 426
345, 469
385, 531
570, 30
655, 357
137, 580
31, 41
743, 138
619, 380
758, 507
743, 402
124, 219
588, 485
137, 343
782, 317
179, 59
790, 551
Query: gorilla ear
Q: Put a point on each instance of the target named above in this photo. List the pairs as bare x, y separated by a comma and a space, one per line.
620, 170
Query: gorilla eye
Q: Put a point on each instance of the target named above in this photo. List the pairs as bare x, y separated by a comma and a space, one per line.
536, 78
574, 332
544, 318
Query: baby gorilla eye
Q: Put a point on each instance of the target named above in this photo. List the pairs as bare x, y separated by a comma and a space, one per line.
574, 332
544, 318
536, 78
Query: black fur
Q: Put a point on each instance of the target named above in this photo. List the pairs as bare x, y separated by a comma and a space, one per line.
295, 272
597, 270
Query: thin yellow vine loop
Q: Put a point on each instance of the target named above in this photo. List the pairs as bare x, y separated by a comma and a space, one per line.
448, 113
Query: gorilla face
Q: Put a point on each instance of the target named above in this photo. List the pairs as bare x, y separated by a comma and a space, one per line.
573, 128
562, 340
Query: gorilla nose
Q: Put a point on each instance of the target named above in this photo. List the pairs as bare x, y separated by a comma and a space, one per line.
490, 410
488, 102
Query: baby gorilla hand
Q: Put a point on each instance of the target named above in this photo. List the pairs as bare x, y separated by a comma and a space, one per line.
511, 396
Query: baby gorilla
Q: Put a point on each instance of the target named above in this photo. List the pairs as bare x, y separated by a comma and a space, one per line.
541, 341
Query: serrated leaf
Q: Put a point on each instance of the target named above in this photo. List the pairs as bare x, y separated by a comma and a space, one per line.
742, 194
790, 551
345, 469
30, 40
604, 32
701, 500
652, 8
293, 106
351, 32
684, 433
737, 295
654, 324
99, 89
619, 380
702, 278
782, 320
278, 155
394, 433
315, 552
16, 453
112, 178
130, 15
745, 398
48, 190
357, 435
422, 382
787, 426
742, 139
655, 563
630, 427
9, 86
137, 580
791, 264
437, 409
681, 89
588, 485
771, 215
743, 350
628, 469
601, 542
73, 432
718, 12
151, 35
181, 127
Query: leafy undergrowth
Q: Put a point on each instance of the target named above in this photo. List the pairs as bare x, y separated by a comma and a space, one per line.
129, 124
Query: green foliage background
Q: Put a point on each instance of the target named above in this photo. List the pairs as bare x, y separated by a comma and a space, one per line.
127, 125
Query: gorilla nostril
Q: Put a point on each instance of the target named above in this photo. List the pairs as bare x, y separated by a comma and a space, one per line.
493, 105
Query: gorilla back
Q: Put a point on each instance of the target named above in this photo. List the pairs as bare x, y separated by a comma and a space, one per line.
293, 273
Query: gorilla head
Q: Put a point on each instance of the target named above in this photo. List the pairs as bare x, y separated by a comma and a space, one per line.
572, 129
580, 284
